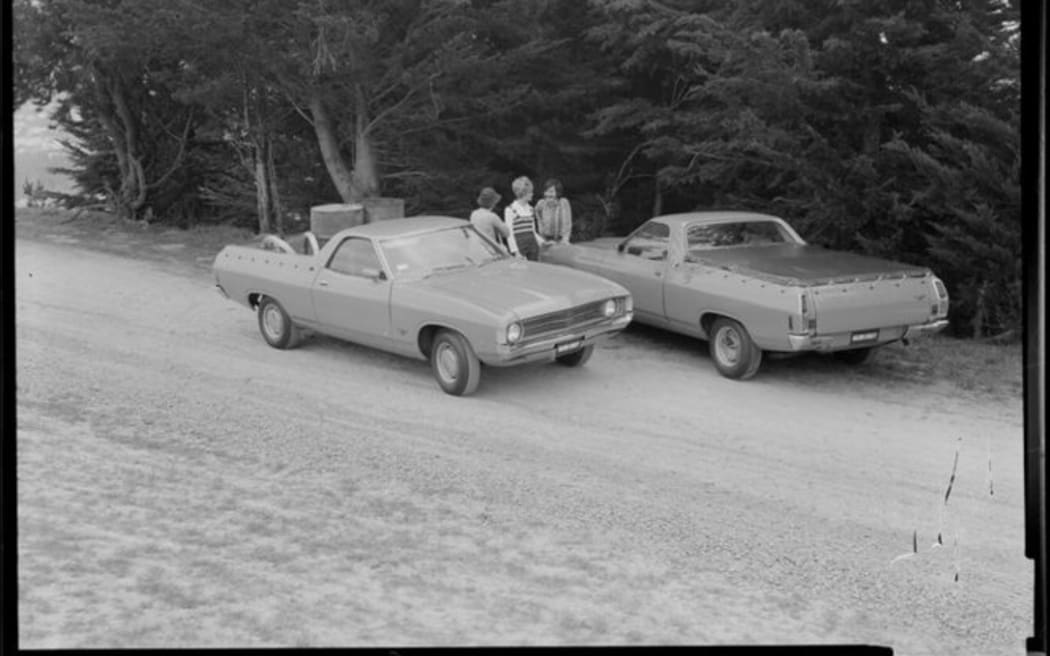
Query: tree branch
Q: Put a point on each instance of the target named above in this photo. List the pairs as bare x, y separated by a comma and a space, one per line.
389, 110
286, 85
179, 156
620, 180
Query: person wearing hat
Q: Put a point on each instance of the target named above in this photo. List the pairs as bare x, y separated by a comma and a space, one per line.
485, 220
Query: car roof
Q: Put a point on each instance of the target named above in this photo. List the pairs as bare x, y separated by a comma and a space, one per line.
713, 217
414, 225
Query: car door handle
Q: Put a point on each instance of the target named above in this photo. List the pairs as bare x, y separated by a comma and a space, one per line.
322, 283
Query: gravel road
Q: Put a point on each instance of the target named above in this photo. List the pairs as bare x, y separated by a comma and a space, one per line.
642, 499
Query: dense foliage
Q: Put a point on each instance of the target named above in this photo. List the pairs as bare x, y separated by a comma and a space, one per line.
882, 126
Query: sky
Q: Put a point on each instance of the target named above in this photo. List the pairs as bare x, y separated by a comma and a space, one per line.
36, 149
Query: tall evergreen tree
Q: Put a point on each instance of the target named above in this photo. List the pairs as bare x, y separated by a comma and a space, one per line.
714, 105
119, 86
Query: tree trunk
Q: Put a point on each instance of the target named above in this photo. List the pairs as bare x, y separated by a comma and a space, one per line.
119, 125
259, 159
133, 187
977, 321
658, 197
275, 195
262, 188
366, 176
327, 140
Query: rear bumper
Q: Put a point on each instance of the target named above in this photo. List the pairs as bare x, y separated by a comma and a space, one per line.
925, 329
844, 341
545, 349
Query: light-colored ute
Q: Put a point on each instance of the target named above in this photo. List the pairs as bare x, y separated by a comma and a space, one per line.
426, 287
748, 283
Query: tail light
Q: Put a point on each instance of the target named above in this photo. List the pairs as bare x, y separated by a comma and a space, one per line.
942, 291
940, 308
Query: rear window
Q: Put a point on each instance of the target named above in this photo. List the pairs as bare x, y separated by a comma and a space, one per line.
702, 236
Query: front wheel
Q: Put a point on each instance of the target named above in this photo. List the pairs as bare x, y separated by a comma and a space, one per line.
454, 364
276, 326
732, 350
576, 358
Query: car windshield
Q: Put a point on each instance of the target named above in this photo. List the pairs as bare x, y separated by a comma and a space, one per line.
706, 236
440, 250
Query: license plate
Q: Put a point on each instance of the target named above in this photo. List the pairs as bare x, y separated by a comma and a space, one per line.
568, 347
866, 336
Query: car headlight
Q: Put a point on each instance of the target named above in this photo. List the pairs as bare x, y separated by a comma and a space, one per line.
513, 333
609, 308
627, 302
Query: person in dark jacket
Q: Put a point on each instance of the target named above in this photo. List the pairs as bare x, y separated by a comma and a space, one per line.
486, 221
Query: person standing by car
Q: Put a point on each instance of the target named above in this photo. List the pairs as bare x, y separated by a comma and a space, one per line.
488, 222
521, 221
553, 214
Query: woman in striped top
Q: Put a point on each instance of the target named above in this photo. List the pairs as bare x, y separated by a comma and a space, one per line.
520, 220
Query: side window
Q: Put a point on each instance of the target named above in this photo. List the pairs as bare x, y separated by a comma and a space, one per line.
354, 256
650, 241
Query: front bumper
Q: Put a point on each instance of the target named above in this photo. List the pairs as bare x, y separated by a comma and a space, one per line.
844, 341
543, 350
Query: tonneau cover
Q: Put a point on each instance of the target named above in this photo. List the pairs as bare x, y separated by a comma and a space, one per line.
805, 264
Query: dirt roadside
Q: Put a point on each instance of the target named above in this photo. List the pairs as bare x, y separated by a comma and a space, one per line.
181, 484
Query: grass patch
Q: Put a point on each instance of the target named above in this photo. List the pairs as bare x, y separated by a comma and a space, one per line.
969, 365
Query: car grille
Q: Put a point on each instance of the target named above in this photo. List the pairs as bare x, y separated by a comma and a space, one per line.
562, 320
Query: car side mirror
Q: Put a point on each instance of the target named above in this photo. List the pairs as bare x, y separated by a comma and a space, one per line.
621, 246
373, 273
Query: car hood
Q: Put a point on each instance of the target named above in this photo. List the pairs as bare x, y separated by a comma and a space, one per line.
805, 262
523, 287
602, 243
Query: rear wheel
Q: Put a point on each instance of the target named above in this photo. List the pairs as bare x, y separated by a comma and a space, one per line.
454, 364
276, 326
853, 356
734, 354
576, 358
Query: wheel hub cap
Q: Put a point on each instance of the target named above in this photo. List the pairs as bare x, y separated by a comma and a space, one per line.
728, 346
448, 363
272, 322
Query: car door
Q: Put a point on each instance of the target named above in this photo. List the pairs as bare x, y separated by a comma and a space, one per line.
691, 288
352, 294
640, 265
